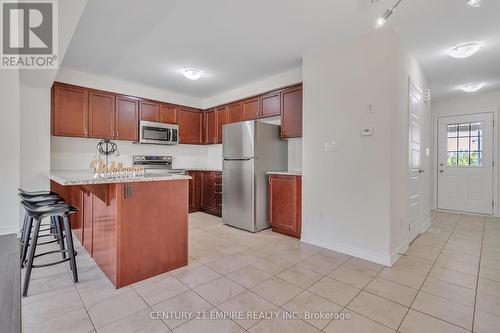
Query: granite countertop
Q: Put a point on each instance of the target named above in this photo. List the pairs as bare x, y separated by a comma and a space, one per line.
203, 169
86, 177
285, 173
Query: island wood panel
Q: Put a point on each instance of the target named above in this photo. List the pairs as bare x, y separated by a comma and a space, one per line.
127, 118
152, 241
101, 115
105, 237
87, 220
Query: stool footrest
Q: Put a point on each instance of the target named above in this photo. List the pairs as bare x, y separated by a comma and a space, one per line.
50, 263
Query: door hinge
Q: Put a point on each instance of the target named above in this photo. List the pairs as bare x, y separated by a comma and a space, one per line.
492, 203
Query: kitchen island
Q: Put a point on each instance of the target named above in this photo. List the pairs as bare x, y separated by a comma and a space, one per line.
133, 227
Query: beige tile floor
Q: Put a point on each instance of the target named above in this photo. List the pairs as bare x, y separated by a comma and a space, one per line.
448, 281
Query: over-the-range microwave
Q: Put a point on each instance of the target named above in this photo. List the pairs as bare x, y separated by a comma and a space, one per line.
158, 133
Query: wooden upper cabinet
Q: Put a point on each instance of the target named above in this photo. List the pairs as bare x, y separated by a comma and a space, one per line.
150, 111
190, 121
210, 127
285, 205
69, 111
168, 114
221, 119
251, 108
270, 104
101, 115
291, 112
127, 118
234, 112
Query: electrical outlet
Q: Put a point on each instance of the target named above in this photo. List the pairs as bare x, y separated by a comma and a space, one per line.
128, 192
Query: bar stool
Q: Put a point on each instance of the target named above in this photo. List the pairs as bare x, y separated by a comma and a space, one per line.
35, 216
53, 227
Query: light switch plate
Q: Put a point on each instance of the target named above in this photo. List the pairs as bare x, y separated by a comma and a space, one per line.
369, 131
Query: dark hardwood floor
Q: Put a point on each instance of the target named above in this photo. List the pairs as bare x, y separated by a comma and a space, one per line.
10, 290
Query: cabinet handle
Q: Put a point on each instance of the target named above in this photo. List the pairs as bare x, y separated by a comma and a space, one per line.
85, 132
117, 134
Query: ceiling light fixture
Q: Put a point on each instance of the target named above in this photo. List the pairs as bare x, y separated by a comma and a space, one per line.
474, 3
472, 87
192, 73
465, 50
383, 19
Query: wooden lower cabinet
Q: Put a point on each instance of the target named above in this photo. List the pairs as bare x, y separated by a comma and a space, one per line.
285, 204
205, 192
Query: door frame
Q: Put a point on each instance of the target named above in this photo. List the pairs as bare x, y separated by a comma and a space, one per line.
467, 112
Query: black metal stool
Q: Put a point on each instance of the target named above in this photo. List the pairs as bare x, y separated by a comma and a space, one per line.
35, 216
54, 227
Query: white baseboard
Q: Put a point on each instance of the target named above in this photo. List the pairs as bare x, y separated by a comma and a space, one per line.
396, 254
9, 230
426, 226
352, 251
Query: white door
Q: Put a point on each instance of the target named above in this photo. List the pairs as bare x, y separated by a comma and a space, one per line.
465, 163
415, 110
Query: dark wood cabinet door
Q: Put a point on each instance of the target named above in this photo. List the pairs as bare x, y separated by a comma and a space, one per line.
217, 190
211, 127
127, 118
101, 115
77, 218
194, 191
150, 111
251, 108
207, 191
190, 121
284, 196
69, 111
291, 112
270, 104
168, 114
234, 113
221, 119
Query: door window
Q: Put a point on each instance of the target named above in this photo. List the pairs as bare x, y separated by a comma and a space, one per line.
465, 144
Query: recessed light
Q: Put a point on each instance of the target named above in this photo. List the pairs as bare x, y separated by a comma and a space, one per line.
465, 50
472, 87
474, 3
192, 73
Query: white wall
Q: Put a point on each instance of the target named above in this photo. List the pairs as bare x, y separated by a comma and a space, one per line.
76, 154
349, 195
467, 104
9, 150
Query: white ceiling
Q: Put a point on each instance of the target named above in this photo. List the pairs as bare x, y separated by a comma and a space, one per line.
236, 41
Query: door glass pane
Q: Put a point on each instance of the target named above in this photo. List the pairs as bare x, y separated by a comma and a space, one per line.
465, 144
452, 131
452, 159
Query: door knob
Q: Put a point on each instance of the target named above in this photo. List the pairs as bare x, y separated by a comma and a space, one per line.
441, 171
420, 170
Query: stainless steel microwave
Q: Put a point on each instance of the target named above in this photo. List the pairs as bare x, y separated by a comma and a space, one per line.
158, 133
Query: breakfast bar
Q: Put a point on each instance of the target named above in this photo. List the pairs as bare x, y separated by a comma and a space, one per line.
133, 227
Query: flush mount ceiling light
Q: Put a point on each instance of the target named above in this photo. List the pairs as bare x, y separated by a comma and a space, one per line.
383, 19
192, 73
465, 50
472, 87
474, 3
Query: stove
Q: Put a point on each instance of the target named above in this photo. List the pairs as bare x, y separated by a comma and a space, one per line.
156, 164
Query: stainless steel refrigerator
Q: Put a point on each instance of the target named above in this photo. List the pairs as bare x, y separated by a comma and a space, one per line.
250, 149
